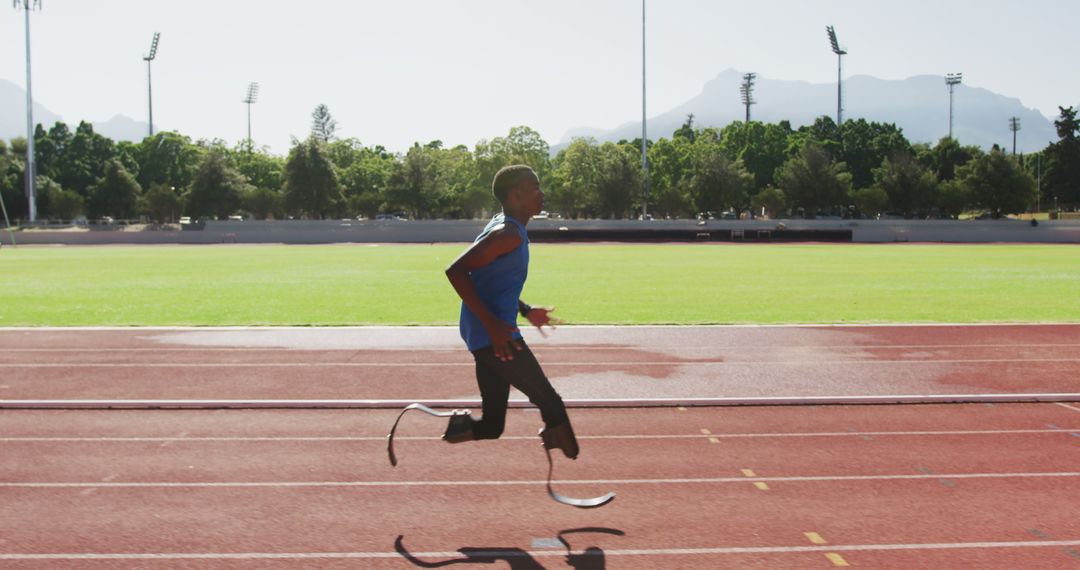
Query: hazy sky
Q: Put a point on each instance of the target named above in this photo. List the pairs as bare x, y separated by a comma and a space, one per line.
397, 71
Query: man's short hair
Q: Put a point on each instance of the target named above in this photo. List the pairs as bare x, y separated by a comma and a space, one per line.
507, 178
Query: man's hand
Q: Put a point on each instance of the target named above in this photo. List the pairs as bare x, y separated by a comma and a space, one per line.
541, 317
502, 339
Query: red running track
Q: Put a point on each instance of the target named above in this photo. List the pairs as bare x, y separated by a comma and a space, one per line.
933, 486
582, 362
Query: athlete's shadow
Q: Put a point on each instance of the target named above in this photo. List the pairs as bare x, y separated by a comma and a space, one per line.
592, 558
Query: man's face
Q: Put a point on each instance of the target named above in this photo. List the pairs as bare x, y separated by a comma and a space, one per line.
529, 194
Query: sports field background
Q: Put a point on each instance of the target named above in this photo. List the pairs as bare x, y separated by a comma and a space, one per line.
589, 284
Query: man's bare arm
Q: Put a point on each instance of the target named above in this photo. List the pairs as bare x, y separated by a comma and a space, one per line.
497, 243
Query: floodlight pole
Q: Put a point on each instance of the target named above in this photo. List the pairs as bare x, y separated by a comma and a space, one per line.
30, 170
252, 96
952, 80
1014, 126
840, 53
149, 83
644, 137
747, 92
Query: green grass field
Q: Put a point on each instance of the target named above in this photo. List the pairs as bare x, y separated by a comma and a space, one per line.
589, 284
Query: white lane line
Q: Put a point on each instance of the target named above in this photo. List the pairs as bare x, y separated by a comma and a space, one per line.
552, 347
1073, 408
382, 438
571, 403
509, 483
457, 555
591, 364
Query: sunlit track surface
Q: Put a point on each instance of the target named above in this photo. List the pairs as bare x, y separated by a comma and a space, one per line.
988, 485
584, 363
885, 486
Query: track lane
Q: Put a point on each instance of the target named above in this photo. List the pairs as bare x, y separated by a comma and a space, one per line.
929, 518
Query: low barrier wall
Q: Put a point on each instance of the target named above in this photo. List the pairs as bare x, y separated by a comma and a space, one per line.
458, 231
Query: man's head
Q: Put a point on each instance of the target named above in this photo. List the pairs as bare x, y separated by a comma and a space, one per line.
517, 187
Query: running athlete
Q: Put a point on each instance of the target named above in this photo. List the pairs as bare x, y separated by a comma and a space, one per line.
489, 278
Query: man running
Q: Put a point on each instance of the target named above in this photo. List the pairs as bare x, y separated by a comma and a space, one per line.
489, 278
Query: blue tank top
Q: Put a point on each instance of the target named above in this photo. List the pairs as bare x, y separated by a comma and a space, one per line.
499, 286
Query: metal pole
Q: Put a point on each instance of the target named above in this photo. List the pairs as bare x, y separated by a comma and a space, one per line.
950, 110
30, 170
1038, 181
150, 95
839, 89
249, 125
644, 137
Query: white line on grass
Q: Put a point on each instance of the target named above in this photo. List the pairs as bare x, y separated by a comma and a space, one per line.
509, 483
142, 329
457, 555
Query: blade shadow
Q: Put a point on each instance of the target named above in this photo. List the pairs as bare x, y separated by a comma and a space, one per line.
591, 558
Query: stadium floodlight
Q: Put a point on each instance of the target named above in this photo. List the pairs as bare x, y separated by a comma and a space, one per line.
149, 83
840, 53
249, 99
644, 138
30, 171
1014, 126
747, 92
952, 80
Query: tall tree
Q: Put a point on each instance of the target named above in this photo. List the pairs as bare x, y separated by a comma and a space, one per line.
716, 182
311, 183
323, 125
160, 203
11, 180
618, 180
573, 188
1061, 165
998, 183
464, 195
116, 194
262, 202
168, 158
417, 184
216, 189
365, 181
811, 180
945, 157
262, 169
669, 167
770, 201
867, 145
910, 188
761, 147
84, 159
521, 146
686, 131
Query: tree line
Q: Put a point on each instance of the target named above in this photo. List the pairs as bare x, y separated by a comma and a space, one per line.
858, 169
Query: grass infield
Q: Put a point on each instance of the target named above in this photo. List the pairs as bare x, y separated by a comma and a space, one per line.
589, 284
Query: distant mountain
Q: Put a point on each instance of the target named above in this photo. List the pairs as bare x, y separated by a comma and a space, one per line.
121, 128
13, 111
918, 105
13, 118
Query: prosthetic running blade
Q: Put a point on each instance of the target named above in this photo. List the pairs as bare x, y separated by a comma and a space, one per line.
417, 406
590, 503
